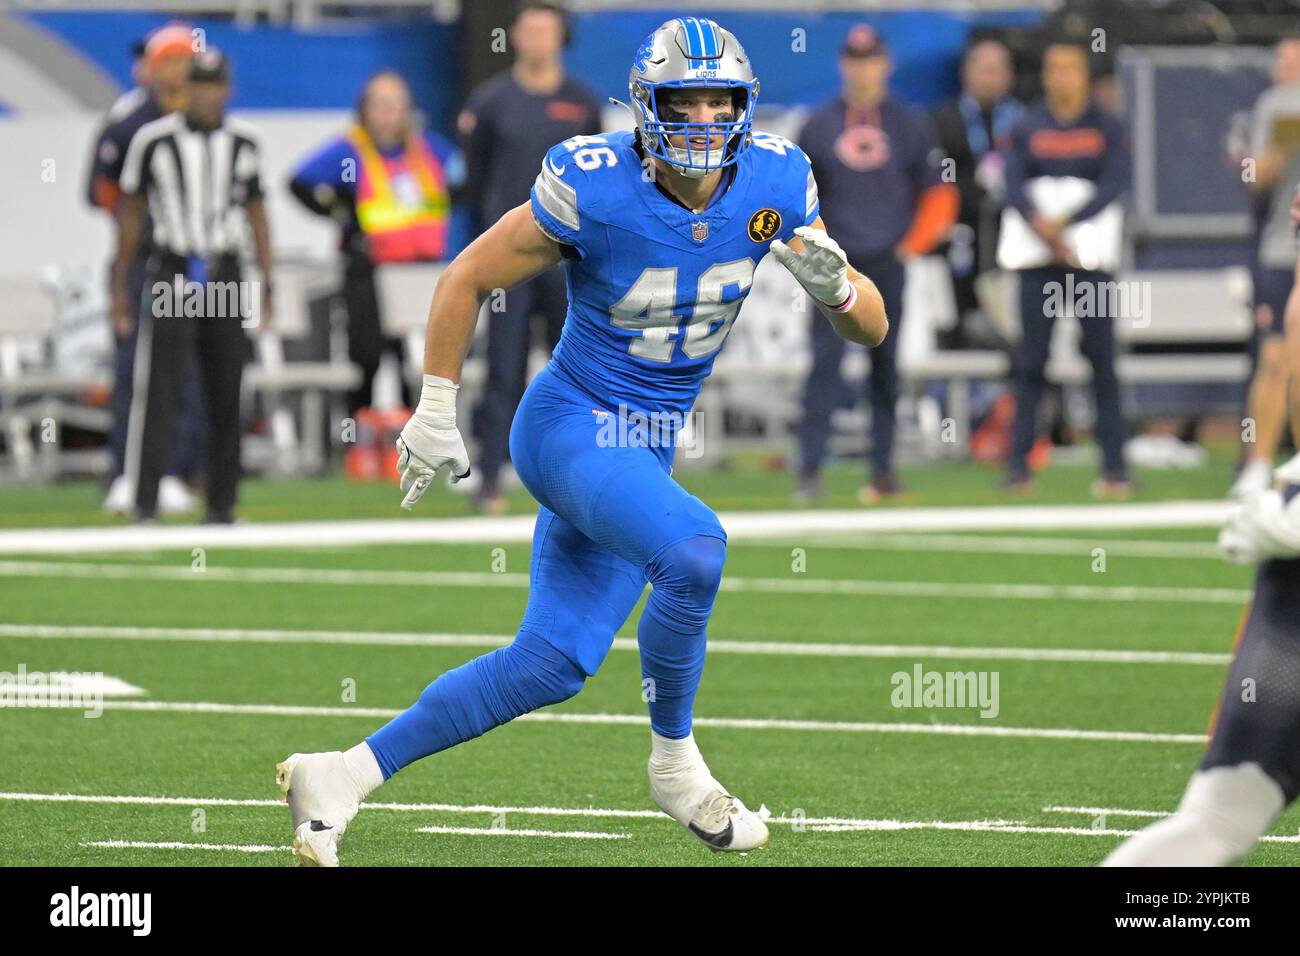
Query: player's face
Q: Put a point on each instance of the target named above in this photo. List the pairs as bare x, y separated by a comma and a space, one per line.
169, 78
387, 109
1286, 62
1065, 73
537, 36
208, 102
988, 72
697, 106
865, 75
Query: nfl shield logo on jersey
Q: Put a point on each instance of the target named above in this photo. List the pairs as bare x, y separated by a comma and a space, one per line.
699, 231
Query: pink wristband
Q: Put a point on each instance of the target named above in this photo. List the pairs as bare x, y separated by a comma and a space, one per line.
847, 303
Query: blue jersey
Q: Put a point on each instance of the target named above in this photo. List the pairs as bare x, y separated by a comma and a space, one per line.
654, 287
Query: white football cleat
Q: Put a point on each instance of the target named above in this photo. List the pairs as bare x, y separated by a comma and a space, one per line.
120, 499
720, 820
173, 497
1256, 475
322, 801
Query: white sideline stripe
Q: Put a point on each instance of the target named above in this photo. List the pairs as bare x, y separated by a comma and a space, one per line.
1069, 547
169, 845
476, 579
489, 831
503, 530
638, 720
716, 645
1107, 811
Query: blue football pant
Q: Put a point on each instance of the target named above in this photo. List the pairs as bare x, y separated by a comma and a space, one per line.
611, 520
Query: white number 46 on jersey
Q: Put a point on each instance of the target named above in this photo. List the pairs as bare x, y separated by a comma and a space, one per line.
648, 309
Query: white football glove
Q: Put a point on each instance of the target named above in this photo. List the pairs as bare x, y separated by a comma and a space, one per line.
822, 268
431, 441
1264, 526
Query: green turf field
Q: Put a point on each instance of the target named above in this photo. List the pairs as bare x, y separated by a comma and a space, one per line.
265, 652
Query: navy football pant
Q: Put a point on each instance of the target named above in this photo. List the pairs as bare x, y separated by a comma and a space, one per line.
1259, 714
1037, 318
508, 340
824, 390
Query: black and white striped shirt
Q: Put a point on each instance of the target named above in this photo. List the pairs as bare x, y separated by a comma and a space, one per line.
196, 182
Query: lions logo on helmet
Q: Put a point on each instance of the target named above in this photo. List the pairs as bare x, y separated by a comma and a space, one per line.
692, 52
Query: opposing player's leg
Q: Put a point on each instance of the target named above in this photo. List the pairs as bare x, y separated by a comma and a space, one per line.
580, 593
1251, 770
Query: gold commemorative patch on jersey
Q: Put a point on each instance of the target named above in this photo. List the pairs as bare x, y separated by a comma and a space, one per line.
764, 225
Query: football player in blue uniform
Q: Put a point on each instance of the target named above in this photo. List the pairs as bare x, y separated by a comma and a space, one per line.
660, 230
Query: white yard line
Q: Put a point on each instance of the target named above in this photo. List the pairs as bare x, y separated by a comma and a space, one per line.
716, 645
1068, 547
504, 530
486, 579
495, 831
171, 845
1107, 812
987, 827
638, 720
815, 824
474, 808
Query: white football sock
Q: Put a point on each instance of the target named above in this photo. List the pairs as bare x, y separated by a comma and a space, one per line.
1222, 815
674, 756
679, 777
364, 769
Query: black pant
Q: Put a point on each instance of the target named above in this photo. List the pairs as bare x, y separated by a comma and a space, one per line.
508, 341
1039, 290
824, 388
188, 433
367, 342
168, 339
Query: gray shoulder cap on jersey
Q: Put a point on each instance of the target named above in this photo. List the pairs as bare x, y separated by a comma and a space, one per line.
547, 232
810, 195
557, 197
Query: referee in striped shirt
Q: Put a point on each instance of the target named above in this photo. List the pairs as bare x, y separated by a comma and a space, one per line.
196, 174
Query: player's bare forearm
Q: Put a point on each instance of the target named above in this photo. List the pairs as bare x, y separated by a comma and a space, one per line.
864, 323
1292, 328
512, 251
1268, 168
130, 223
261, 230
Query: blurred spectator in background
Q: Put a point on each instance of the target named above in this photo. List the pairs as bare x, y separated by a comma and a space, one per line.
1066, 135
882, 198
388, 185
507, 125
1275, 156
200, 170
971, 130
161, 72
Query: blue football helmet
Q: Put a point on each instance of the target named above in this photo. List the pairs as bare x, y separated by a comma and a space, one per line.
692, 52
